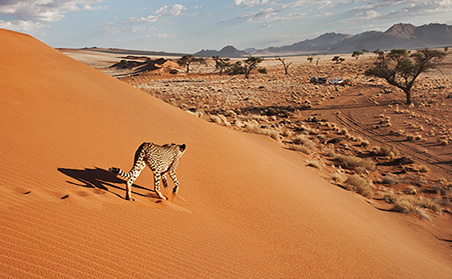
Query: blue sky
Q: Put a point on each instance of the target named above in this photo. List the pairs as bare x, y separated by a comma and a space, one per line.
191, 25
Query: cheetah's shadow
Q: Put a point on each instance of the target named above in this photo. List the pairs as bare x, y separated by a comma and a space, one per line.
101, 179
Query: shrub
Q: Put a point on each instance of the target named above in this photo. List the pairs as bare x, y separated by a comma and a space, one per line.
359, 185
413, 205
329, 152
254, 127
355, 163
220, 120
389, 180
300, 148
365, 143
314, 164
338, 176
305, 141
385, 151
424, 169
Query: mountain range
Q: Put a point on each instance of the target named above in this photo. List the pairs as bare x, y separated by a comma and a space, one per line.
400, 35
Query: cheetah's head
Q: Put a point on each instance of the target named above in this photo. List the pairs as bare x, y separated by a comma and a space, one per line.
182, 148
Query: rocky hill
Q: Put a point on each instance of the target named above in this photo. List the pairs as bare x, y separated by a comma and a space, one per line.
398, 36
227, 51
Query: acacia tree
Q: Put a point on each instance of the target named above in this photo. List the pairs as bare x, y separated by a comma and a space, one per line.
401, 69
338, 59
186, 60
356, 54
285, 65
222, 63
379, 53
250, 64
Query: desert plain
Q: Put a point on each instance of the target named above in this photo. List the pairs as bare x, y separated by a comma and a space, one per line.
265, 184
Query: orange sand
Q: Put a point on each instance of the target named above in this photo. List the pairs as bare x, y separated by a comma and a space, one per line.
247, 208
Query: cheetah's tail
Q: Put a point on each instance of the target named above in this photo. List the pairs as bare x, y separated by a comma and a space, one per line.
121, 173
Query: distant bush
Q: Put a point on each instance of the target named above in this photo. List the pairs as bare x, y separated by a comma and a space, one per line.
126, 64
262, 70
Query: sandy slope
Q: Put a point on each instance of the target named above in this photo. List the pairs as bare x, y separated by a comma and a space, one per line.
247, 207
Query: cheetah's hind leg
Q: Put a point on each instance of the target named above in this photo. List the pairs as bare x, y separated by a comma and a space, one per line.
157, 177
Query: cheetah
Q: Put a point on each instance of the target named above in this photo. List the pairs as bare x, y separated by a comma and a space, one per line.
160, 159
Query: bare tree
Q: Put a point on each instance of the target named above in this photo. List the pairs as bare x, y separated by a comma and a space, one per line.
401, 69
285, 65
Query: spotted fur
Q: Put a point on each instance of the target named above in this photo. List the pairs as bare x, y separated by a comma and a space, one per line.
160, 159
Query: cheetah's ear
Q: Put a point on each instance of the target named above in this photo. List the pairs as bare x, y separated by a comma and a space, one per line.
182, 147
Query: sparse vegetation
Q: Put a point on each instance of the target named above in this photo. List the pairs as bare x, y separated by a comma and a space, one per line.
290, 110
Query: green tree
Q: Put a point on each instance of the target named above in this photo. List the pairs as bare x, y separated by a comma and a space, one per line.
250, 64
401, 69
379, 53
338, 59
285, 65
236, 68
356, 54
186, 60
223, 64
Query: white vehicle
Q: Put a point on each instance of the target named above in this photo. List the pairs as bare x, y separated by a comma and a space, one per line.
336, 81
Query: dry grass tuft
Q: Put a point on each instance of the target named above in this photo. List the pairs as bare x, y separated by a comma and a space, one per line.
385, 151
359, 185
338, 176
254, 127
390, 180
355, 163
413, 205
314, 164
220, 120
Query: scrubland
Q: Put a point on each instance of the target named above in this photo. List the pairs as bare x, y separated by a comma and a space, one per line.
361, 137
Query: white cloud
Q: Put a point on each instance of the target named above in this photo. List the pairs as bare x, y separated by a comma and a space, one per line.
150, 18
21, 25
401, 9
250, 2
370, 14
29, 16
164, 11
175, 10
261, 14
39, 10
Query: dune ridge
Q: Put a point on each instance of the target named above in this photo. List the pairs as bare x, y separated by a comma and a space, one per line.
246, 208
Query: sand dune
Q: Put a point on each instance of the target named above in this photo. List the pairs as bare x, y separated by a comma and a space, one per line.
247, 208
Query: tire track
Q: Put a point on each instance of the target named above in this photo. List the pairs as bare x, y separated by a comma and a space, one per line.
347, 120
